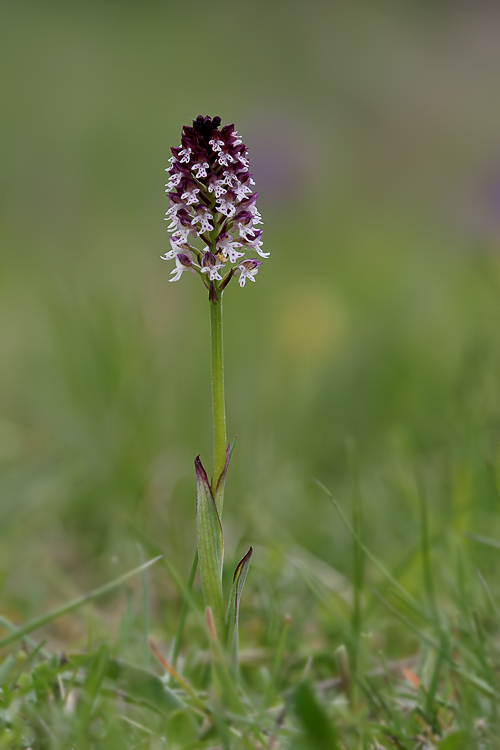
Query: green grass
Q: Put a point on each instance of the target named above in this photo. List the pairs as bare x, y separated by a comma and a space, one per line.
359, 665
370, 617
361, 372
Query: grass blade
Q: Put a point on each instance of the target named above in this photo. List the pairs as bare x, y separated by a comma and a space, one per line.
64, 609
137, 684
233, 610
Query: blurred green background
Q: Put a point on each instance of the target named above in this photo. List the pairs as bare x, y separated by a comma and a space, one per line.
373, 131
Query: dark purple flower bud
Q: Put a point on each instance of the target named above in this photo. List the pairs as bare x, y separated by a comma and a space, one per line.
183, 217
226, 131
175, 198
208, 259
249, 203
185, 260
243, 217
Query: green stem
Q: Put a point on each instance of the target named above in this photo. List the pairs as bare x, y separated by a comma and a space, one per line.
218, 402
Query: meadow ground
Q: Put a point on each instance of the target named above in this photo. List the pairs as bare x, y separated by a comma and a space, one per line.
362, 375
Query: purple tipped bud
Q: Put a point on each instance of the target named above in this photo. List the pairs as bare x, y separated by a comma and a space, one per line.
201, 475
208, 260
185, 260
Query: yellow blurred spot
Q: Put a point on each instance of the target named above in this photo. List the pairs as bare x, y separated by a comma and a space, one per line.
311, 322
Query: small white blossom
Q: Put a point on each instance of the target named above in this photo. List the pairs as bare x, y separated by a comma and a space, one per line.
201, 169
174, 210
230, 178
210, 265
225, 159
260, 252
179, 239
216, 143
177, 246
190, 195
182, 263
204, 217
227, 246
186, 155
225, 205
246, 232
213, 272
219, 188
178, 271
256, 243
247, 269
173, 182
241, 191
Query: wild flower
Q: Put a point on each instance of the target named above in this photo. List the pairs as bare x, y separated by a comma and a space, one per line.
211, 199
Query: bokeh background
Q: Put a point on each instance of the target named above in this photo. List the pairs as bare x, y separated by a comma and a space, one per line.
370, 338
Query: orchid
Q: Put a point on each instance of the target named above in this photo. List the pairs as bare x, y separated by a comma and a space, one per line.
211, 202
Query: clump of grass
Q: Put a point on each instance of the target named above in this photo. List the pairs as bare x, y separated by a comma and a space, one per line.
409, 667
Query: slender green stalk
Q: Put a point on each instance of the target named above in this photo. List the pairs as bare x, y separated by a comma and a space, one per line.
218, 401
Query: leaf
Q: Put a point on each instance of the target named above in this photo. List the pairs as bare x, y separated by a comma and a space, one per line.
135, 683
319, 733
210, 545
96, 673
232, 616
455, 741
6, 668
221, 483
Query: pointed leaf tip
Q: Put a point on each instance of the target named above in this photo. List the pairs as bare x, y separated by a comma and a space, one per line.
201, 474
244, 559
232, 614
219, 488
212, 293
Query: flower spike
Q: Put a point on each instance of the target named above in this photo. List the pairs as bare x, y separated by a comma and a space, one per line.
210, 196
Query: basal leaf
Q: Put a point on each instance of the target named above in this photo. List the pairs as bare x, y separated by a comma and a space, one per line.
210, 545
232, 615
135, 683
